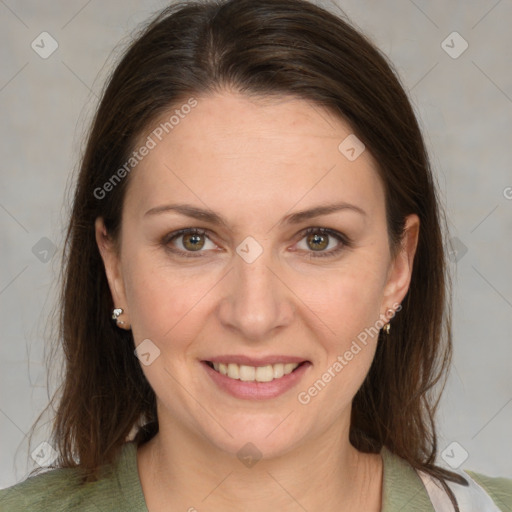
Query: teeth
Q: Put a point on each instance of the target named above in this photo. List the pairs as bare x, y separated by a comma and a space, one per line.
278, 370
233, 371
255, 373
247, 373
289, 367
265, 373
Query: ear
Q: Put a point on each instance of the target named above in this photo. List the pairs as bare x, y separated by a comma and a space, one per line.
113, 270
400, 271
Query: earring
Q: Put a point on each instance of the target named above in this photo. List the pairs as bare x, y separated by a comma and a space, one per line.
115, 315
387, 327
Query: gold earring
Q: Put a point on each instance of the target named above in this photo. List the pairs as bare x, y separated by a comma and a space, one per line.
387, 327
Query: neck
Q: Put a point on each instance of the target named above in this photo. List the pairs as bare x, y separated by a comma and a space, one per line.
180, 471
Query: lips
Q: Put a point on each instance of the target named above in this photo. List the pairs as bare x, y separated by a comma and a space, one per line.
255, 379
255, 361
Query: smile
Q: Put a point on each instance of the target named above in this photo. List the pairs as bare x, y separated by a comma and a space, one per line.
247, 373
264, 381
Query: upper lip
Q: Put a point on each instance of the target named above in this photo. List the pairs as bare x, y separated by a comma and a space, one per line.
255, 361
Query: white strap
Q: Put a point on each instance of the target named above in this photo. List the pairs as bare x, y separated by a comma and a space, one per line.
470, 499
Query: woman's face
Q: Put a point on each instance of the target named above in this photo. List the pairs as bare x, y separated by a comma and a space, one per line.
252, 293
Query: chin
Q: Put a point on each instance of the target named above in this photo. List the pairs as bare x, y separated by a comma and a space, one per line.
264, 436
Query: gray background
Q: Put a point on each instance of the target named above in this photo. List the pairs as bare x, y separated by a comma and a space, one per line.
464, 105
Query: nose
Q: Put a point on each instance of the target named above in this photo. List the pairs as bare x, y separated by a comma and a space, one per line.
255, 299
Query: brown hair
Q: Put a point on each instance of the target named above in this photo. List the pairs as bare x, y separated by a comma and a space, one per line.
261, 48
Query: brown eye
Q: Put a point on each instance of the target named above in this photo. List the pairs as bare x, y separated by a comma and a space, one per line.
318, 239
318, 242
193, 241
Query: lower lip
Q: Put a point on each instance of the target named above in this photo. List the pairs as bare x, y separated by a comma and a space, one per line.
257, 390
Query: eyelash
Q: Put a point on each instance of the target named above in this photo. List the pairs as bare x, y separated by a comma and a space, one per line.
345, 241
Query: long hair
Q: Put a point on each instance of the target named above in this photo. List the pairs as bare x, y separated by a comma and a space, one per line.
262, 48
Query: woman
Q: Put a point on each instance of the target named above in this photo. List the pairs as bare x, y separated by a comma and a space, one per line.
256, 217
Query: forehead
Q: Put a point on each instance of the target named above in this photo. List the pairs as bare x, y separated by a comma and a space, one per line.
231, 151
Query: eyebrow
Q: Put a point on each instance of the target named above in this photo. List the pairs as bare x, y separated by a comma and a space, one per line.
293, 218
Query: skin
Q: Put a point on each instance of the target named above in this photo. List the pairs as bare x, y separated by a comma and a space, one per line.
255, 162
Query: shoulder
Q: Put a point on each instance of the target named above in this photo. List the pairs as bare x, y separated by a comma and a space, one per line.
498, 488
56, 490
62, 490
404, 487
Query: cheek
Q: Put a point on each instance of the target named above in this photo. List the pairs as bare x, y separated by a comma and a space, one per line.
350, 307
164, 301
347, 299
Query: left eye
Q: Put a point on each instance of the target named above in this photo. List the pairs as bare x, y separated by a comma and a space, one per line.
317, 239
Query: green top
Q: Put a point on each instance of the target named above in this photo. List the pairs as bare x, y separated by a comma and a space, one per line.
120, 489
